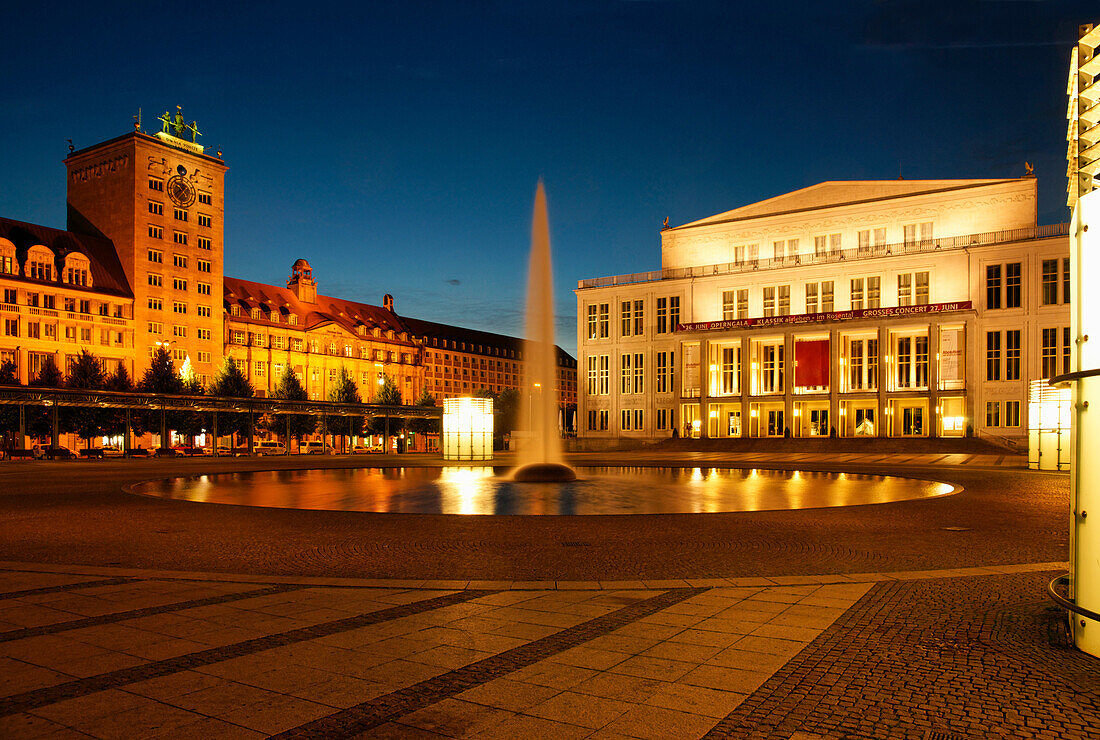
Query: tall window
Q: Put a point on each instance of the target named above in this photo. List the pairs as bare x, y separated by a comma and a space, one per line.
592, 321
665, 363
626, 374
993, 355
1012, 285
811, 296
662, 316
743, 303
905, 289
864, 241
729, 306
992, 413
905, 361
784, 300
1065, 280
771, 368
605, 375
673, 312
731, 360
874, 292
863, 364
1049, 353
626, 316
769, 301
857, 293
1066, 345
826, 296
820, 246
605, 320
993, 286
639, 323
639, 372
1050, 282
1012, 354
1012, 414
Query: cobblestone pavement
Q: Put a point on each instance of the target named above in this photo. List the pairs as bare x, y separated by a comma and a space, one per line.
974, 655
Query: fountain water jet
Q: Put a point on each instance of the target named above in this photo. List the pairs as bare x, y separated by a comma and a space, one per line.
540, 459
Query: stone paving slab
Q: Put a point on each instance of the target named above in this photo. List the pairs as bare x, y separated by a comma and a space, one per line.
836, 659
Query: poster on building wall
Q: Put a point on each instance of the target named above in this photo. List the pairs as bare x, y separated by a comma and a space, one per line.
950, 356
811, 363
691, 368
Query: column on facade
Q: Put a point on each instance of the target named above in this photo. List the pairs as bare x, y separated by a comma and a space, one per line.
835, 374
704, 388
746, 384
788, 382
934, 411
884, 424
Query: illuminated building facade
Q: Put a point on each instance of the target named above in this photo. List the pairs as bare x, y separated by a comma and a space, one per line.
160, 200
62, 292
907, 308
268, 329
458, 362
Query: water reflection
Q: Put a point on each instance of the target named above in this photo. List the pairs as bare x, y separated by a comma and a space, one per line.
484, 490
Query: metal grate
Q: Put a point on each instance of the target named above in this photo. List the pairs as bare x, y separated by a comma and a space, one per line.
576, 544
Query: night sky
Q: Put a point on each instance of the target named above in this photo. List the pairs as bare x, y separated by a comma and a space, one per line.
397, 145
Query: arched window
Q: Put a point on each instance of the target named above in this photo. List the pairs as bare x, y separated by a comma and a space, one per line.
8, 263
39, 263
77, 270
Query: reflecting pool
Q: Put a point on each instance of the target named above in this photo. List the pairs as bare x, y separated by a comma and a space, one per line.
598, 490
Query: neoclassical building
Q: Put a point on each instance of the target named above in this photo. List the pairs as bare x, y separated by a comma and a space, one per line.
903, 308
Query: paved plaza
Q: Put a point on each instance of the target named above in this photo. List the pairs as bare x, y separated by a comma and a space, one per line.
129, 616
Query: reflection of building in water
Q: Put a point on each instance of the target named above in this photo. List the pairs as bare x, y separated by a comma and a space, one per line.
903, 308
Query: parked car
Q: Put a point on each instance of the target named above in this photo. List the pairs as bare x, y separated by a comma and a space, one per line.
92, 453
269, 447
139, 452
226, 451
314, 448
188, 451
55, 453
164, 452
366, 449
112, 451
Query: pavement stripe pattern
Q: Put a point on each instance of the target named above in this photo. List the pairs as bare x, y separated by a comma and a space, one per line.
75, 624
368, 715
114, 679
66, 587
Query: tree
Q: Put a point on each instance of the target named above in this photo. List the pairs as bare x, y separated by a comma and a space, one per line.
40, 418
231, 382
191, 423
345, 391
506, 410
388, 395
115, 424
425, 426
86, 373
9, 415
160, 377
289, 388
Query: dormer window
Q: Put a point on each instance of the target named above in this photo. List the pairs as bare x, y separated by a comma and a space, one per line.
361, 330
376, 332
77, 270
234, 310
293, 319
257, 313
39, 263
8, 263
275, 316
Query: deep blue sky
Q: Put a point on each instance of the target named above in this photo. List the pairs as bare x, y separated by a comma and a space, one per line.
396, 145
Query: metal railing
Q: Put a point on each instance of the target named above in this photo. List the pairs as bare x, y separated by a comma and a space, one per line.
11, 395
879, 250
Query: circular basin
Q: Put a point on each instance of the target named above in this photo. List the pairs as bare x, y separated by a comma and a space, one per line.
597, 490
